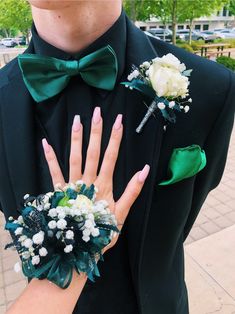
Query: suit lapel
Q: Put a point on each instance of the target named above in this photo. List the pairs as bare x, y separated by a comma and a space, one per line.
19, 135
18, 132
140, 148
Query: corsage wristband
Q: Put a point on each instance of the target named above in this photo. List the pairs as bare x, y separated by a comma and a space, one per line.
60, 231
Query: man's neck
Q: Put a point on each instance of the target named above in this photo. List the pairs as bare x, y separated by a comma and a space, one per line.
75, 27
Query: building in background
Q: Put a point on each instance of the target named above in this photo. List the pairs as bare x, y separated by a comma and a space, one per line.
223, 19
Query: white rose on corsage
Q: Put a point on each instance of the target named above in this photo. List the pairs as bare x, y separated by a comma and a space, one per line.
166, 81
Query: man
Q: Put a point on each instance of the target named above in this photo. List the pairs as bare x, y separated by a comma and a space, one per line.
146, 268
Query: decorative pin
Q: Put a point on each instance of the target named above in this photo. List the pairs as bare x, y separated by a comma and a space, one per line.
148, 114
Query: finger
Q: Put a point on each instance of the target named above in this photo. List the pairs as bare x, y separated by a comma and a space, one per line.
54, 168
93, 151
75, 160
111, 153
130, 194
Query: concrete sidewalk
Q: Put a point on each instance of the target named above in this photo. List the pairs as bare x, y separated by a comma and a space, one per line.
210, 275
210, 248
209, 253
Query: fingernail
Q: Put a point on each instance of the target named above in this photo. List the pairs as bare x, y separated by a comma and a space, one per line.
45, 145
143, 174
118, 122
96, 115
76, 123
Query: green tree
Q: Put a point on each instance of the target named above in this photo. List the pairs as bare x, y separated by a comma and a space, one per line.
231, 7
15, 15
173, 11
139, 10
196, 9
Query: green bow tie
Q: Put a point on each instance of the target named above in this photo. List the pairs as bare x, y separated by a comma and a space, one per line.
45, 77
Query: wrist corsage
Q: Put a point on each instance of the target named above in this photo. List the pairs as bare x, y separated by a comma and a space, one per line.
165, 81
60, 231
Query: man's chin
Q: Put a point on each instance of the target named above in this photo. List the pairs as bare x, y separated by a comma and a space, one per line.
52, 4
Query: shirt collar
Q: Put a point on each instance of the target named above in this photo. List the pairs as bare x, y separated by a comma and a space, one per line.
115, 36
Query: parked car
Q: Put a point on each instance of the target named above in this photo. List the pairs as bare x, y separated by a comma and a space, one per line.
20, 40
204, 35
217, 30
211, 36
195, 35
185, 34
8, 42
227, 33
151, 35
164, 34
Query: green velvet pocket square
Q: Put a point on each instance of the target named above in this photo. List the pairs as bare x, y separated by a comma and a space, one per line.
184, 163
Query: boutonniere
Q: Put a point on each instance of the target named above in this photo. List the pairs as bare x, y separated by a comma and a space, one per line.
165, 80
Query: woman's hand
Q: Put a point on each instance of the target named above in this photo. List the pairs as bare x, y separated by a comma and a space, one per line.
41, 294
104, 179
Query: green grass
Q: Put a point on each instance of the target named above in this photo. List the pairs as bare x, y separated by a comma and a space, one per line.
185, 46
195, 45
21, 46
227, 62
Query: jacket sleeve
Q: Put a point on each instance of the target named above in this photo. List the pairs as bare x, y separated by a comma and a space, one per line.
216, 148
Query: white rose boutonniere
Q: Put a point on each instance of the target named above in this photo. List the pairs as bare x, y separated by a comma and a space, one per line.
166, 77
165, 80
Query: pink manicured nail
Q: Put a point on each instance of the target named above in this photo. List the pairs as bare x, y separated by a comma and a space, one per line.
143, 174
45, 145
118, 122
76, 123
96, 115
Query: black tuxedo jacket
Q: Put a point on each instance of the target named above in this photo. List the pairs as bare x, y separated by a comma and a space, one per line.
162, 216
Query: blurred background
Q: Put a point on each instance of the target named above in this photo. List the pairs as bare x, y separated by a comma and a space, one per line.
204, 27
